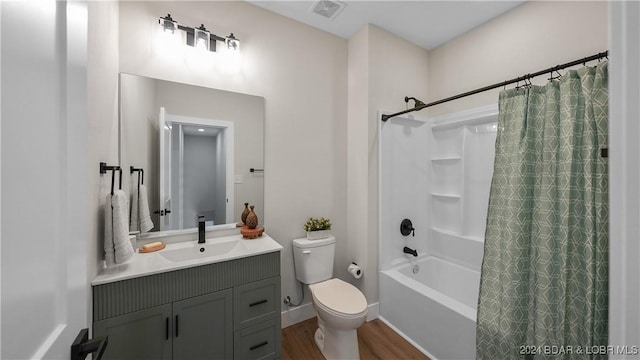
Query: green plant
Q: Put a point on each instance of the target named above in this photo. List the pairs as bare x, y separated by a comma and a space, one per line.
317, 224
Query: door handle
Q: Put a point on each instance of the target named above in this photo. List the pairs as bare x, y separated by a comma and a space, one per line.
177, 325
82, 346
306, 252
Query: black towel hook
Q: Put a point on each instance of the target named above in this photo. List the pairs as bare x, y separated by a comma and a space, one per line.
103, 170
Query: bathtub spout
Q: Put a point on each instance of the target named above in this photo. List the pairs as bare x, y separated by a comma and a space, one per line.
411, 251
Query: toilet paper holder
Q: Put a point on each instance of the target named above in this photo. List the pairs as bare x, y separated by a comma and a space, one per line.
355, 270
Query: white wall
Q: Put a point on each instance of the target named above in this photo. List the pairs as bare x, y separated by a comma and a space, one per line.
302, 74
102, 85
383, 69
44, 178
531, 37
624, 176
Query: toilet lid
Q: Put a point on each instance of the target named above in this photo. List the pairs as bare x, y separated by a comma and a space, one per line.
339, 296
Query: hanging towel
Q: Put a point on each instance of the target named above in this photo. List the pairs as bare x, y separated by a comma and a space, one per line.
140, 217
117, 247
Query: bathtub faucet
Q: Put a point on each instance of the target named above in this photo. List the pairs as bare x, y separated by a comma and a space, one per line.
411, 251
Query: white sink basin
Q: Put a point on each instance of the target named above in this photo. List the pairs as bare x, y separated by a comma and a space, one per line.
194, 251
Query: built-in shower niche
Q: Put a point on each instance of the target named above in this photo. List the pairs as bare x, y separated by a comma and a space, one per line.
479, 153
462, 151
446, 175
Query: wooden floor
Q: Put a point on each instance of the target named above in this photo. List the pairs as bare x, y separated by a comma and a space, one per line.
375, 341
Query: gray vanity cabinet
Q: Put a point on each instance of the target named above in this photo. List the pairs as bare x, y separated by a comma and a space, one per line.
143, 334
196, 328
256, 318
228, 310
201, 327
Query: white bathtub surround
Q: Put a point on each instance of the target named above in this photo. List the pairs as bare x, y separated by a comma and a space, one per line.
436, 173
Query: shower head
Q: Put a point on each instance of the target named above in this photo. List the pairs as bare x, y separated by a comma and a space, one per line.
417, 103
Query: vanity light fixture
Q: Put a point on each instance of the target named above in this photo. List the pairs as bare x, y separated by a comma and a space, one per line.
202, 38
199, 37
168, 25
201, 130
232, 42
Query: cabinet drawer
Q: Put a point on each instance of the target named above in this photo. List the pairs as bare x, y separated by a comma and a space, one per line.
256, 302
261, 341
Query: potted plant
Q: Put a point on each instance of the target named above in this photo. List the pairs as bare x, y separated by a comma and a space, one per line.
317, 228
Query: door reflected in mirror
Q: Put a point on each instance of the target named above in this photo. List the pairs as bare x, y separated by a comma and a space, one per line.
197, 147
196, 171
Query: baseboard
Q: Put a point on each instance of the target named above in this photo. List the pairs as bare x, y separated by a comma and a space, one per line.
306, 311
420, 348
373, 311
297, 314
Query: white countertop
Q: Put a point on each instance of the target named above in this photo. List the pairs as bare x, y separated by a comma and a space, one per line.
153, 263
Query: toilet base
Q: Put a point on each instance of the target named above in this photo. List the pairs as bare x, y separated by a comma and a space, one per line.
337, 344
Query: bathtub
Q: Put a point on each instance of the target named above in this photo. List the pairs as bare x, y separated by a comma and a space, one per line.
434, 308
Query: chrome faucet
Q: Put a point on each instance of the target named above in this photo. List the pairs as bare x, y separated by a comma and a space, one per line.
201, 229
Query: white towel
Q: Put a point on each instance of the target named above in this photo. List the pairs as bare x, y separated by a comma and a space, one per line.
140, 217
117, 246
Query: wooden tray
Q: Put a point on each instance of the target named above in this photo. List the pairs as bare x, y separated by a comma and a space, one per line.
251, 233
143, 251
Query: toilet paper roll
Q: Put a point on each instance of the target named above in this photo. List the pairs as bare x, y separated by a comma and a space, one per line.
355, 271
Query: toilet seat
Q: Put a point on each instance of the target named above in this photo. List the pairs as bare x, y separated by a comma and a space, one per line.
339, 298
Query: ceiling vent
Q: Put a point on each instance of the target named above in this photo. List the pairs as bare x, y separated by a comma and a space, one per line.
327, 8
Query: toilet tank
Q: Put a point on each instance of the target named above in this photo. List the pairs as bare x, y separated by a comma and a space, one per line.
313, 259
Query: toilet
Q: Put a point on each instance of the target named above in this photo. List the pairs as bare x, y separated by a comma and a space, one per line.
341, 307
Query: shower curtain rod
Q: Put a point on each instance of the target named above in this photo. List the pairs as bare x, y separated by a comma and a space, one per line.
419, 105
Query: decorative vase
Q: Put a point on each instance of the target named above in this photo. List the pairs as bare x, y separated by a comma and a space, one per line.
245, 212
252, 219
318, 234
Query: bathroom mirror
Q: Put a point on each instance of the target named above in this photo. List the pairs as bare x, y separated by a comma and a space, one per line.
201, 150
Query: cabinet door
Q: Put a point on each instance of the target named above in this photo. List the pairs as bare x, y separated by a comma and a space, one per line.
203, 327
144, 334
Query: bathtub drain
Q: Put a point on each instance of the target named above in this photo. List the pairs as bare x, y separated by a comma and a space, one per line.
416, 269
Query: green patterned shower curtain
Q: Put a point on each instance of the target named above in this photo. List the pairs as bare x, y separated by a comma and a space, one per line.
544, 283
